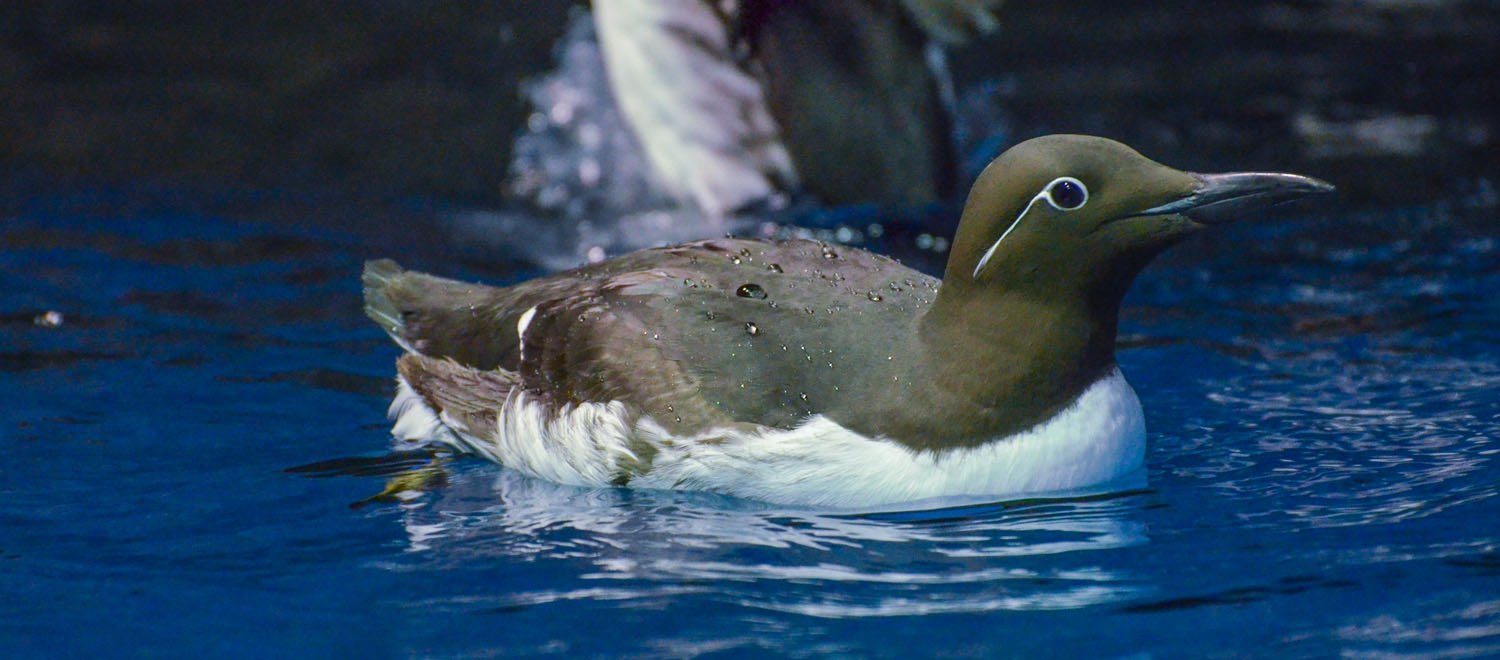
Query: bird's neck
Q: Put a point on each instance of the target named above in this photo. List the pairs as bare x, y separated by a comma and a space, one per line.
1023, 356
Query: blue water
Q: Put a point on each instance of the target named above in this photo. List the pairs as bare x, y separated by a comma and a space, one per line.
1322, 395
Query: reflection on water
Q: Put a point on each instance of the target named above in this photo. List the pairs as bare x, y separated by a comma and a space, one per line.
976, 558
1469, 630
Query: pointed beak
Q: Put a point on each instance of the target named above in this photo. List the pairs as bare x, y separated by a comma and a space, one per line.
1219, 198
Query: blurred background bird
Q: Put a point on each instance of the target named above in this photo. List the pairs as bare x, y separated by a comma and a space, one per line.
741, 103
655, 115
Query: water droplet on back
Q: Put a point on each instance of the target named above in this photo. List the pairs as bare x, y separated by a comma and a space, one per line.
751, 329
751, 290
873, 296
828, 253
775, 268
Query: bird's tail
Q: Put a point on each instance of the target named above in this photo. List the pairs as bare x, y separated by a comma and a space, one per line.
380, 278
439, 317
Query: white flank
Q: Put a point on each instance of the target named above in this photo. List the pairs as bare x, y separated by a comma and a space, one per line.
415, 420
1099, 438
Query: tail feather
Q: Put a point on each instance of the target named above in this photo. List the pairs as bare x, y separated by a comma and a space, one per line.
378, 278
435, 316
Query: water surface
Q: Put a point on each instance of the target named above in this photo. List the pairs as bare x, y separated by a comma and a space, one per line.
1322, 396
193, 427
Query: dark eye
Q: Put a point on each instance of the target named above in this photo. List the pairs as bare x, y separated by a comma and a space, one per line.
1067, 193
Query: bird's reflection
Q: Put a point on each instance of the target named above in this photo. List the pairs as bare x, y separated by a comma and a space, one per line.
941, 556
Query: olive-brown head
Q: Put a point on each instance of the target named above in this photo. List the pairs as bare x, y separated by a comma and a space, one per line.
1073, 215
1054, 232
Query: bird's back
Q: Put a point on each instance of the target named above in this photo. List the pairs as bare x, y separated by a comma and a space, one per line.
723, 331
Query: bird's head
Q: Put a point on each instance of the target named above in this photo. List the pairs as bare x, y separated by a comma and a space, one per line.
1074, 215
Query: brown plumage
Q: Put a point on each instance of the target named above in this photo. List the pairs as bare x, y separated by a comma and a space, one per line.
765, 335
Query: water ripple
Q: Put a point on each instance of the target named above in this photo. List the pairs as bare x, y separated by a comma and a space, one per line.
986, 558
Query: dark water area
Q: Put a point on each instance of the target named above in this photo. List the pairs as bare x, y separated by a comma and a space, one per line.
194, 427
1394, 100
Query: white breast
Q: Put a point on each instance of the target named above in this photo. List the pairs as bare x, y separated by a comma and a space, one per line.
1099, 438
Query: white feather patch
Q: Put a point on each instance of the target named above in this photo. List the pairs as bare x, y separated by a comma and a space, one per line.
521, 325
1097, 439
415, 420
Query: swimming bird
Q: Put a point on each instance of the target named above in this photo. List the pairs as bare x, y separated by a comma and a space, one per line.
805, 373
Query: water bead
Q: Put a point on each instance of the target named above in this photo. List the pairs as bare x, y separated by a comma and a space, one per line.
751, 290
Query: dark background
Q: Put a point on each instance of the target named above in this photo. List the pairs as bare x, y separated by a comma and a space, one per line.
1394, 101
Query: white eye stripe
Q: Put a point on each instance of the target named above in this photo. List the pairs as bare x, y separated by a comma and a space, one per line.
1046, 194
991, 252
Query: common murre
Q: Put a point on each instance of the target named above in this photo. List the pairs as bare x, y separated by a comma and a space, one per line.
804, 373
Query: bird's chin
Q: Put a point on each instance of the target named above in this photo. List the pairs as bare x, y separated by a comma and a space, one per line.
1162, 228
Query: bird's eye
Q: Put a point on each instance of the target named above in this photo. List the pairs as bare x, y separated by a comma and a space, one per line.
1066, 193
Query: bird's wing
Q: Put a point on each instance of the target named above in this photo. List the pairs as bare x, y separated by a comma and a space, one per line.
703, 335
466, 399
592, 344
